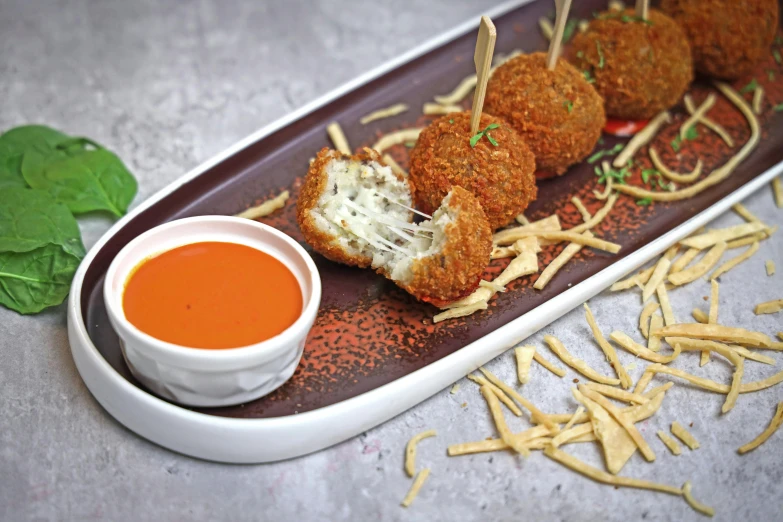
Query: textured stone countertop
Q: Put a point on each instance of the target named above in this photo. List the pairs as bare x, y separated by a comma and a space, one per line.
169, 84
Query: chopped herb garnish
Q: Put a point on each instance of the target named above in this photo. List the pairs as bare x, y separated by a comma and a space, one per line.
568, 104
580, 54
410, 144
475, 139
676, 143
643, 202
570, 27
608, 152
600, 141
619, 176
778, 40
600, 54
588, 76
451, 120
627, 19
751, 87
691, 133
776, 55
646, 173
778, 107
598, 171
771, 75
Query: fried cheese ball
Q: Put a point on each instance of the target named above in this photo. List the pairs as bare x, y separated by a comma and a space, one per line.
639, 67
558, 113
355, 210
728, 37
501, 176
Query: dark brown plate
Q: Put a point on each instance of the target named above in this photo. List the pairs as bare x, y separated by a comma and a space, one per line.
369, 333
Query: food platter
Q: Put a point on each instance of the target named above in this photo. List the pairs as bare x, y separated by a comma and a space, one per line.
374, 351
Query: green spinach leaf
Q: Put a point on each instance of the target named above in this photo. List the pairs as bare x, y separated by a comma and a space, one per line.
91, 180
34, 280
31, 219
11, 170
18, 139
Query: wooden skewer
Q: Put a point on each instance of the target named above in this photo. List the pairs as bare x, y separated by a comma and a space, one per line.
485, 46
561, 17
642, 8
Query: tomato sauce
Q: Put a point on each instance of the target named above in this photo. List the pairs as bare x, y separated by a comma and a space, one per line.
212, 295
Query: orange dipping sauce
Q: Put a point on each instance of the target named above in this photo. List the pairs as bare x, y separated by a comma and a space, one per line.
212, 295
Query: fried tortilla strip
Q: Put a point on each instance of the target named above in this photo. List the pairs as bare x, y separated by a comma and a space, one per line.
769, 265
715, 332
483, 446
777, 189
569, 434
592, 242
577, 364
597, 218
510, 235
700, 268
338, 138
654, 343
500, 422
644, 318
505, 399
617, 445
524, 356
687, 344
525, 263
642, 138
661, 167
684, 435
642, 351
744, 213
548, 365
644, 381
461, 311
410, 451
695, 504
430, 108
669, 443
394, 166
617, 393
714, 237
712, 317
396, 138
387, 112
418, 482
657, 277
460, 92
720, 173
608, 349
770, 307
624, 422
640, 278
557, 263
666, 306
683, 261
704, 120
697, 115
601, 476
586, 216
731, 263
736, 382
709, 385
774, 424
700, 316
537, 415
573, 418
265, 208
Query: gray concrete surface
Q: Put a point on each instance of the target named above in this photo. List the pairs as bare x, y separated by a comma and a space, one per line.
162, 84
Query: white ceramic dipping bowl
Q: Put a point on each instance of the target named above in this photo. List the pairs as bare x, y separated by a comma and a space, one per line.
199, 377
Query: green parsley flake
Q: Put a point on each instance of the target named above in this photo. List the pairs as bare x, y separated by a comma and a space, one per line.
475, 139
691, 133
580, 54
646, 173
771, 75
451, 120
568, 104
643, 202
776, 55
410, 144
601, 60
608, 152
627, 19
751, 87
676, 143
778, 107
588, 76
569, 30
